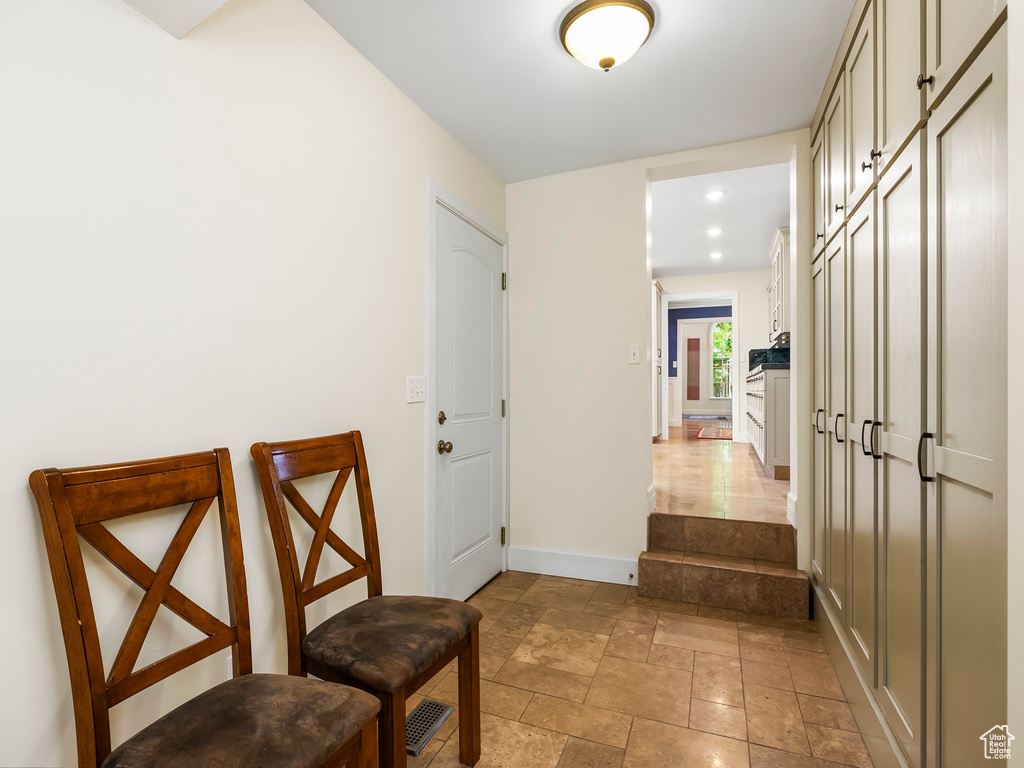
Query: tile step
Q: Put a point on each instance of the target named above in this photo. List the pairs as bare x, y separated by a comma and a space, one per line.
745, 584
715, 536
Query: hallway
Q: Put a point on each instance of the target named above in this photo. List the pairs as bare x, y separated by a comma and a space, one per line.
714, 478
580, 674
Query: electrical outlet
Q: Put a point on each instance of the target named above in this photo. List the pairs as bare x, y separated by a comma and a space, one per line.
634, 354
416, 389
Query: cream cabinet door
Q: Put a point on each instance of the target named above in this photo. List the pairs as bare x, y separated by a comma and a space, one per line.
901, 406
899, 109
835, 159
954, 29
965, 460
861, 333
835, 425
860, 111
818, 192
819, 436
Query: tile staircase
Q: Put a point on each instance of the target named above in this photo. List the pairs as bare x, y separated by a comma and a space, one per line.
740, 564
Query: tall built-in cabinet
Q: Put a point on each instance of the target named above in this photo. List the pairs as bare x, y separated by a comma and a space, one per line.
908, 164
778, 301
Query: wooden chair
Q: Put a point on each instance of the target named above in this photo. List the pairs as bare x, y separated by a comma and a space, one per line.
389, 645
250, 720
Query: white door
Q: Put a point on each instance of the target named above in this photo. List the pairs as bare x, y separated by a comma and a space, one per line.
470, 455
901, 510
965, 470
860, 112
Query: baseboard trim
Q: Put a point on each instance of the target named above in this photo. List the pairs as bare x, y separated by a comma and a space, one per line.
675, 421
740, 437
652, 498
791, 509
573, 565
878, 737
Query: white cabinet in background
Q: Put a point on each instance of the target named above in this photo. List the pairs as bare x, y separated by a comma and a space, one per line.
834, 130
768, 419
899, 113
778, 310
860, 111
909, 462
818, 192
955, 28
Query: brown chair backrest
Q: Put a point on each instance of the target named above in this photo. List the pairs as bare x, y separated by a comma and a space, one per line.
75, 503
278, 465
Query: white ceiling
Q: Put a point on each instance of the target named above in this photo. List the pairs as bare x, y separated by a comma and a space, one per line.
177, 17
756, 202
495, 75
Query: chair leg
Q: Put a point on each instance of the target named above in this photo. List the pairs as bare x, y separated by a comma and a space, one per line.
469, 700
391, 730
368, 746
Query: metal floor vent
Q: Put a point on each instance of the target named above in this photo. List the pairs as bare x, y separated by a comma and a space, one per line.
423, 722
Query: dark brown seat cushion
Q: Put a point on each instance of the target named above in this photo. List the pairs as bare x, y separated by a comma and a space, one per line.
253, 721
387, 641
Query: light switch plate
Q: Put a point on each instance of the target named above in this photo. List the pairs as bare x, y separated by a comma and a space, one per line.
416, 389
634, 354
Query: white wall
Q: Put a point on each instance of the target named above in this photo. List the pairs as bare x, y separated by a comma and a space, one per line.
752, 314
206, 242
580, 443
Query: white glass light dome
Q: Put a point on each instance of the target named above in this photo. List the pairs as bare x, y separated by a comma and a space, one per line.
605, 33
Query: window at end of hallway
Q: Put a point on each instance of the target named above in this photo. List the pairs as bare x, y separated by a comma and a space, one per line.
721, 360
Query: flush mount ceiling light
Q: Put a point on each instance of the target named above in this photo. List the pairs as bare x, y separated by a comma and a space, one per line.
716, 255
715, 194
605, 33
714, 232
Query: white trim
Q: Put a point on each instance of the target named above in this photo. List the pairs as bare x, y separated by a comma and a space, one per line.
652, 499
733, 297
438, 194
675, 422
791, 508
740, 437
573, 565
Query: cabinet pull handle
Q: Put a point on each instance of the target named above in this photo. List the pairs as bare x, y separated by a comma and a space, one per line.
863, 442
874, 453
875, 153
839, 208
820, 236
920, 457
818, 413
921, 80
835, 428
866, 166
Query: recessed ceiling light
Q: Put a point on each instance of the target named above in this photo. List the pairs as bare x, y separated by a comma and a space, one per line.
714, 232
716, 255
602, 34
715, 194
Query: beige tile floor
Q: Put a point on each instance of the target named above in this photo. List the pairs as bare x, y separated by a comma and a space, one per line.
579, 674
714, 478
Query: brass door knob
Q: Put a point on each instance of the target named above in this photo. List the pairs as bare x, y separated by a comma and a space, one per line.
441, 418
443, 447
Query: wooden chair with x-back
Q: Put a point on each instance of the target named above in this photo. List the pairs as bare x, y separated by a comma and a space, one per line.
387, 644
249, 720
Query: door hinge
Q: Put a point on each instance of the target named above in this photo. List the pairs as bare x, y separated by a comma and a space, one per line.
503, 408
504, 281
503, 535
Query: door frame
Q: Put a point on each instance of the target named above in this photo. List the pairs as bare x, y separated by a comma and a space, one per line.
733, 299
438, 194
